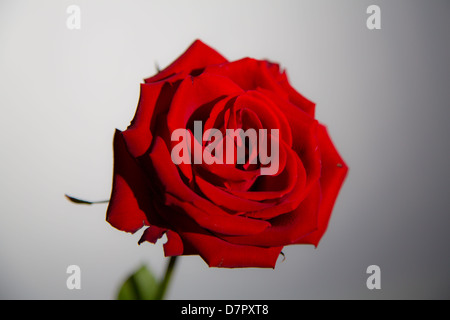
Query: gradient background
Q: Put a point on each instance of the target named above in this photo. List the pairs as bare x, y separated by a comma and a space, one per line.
383, 94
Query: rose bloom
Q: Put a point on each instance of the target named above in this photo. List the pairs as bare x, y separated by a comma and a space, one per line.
229, 214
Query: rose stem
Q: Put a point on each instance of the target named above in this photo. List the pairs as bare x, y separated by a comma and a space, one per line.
162, 288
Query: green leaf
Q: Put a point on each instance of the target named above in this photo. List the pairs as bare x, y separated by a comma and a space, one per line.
141, 285
80, 201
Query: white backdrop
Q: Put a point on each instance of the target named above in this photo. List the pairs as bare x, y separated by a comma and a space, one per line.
383, 95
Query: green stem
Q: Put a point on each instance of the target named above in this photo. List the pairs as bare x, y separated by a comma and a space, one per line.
162, 288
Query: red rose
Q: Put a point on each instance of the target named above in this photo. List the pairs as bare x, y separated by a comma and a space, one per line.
230, 214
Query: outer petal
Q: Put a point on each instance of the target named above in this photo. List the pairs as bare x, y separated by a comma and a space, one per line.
249, 74
152, 234
334, 171
174, 245
197, 56
217, 252
287, 228
154, 101
125, 212
227, 200
295, 97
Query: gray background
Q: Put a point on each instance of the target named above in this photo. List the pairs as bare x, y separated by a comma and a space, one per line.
383, 94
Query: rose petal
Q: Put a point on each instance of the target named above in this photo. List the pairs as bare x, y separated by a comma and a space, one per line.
219, 253
268, 187
221, 172
197, 56
287, 228
222, 224
152, 234
289, 201
227, 200
334, 171
193, 93
295, 97
267, 113
201, 210
304, 137
216, 117
249, 74
154, 101
250, 119
130, 192
175, 246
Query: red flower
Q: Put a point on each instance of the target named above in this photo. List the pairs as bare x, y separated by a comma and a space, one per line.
229, 214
